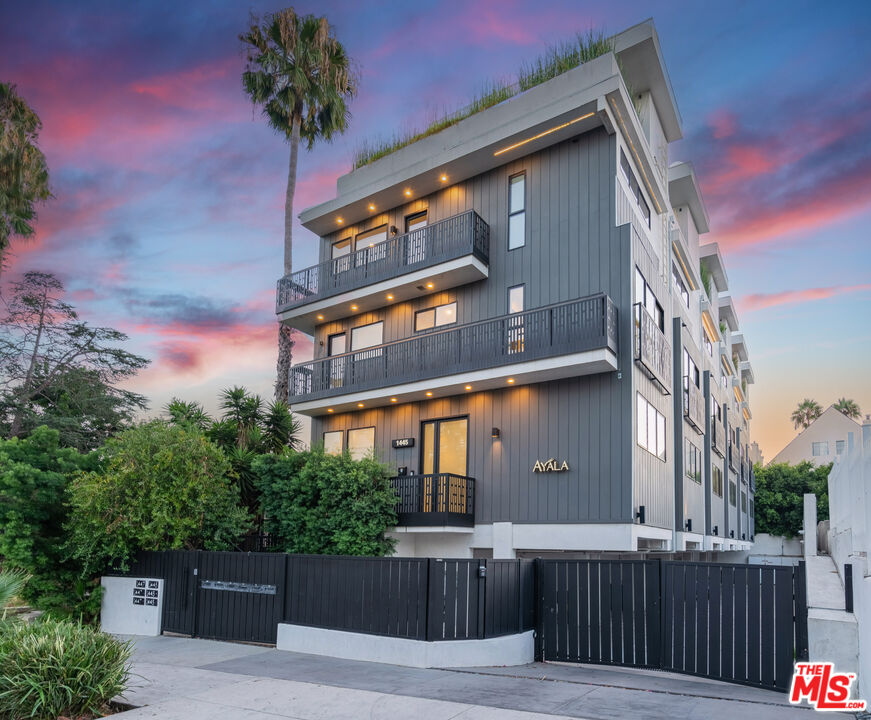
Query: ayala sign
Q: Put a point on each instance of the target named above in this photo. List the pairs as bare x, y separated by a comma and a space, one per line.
550, 466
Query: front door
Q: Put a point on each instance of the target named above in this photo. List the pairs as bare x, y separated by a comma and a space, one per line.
444, 458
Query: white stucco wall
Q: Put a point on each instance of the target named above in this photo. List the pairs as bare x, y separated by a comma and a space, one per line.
121, 613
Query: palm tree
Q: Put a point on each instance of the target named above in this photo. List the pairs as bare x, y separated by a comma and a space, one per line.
12, 582
807, 411
23, 170
850, 408
301, 77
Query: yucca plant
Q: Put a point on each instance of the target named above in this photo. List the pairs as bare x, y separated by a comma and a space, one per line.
53, 668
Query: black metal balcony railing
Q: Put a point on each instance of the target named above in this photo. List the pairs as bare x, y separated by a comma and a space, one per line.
442, 499
576, 326
694, 405
652, 351
718, 438
440, 242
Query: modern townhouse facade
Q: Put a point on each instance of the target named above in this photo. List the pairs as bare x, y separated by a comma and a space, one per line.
512, 315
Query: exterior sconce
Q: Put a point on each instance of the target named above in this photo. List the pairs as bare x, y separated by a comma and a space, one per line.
640, 514
689, 525
716, 530
743, 536
495, 433
393, 230
731, 533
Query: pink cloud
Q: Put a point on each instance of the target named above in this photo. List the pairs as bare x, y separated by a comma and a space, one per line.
723, 123
761, 301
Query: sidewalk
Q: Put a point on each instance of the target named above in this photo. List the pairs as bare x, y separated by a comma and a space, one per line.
185, 679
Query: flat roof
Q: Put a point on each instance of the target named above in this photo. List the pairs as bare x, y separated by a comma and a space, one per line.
549, 113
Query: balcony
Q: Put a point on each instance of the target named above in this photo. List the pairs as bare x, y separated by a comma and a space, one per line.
435, 500
694, 406
558, 341
448, 253
652, 351
718, 438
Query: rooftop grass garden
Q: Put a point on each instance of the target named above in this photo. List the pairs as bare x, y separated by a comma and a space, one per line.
556, 60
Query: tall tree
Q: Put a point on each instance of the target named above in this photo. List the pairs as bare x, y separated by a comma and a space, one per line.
805, 413
299, 74
23, 170
43, 343
850, 408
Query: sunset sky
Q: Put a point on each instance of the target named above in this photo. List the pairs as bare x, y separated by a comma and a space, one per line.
169, 188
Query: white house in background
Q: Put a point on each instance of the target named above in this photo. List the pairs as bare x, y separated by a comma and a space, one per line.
822, 441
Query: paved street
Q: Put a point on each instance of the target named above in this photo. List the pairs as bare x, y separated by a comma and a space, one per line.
185, 679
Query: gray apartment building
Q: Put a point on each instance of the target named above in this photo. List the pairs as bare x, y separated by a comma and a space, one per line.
516, 315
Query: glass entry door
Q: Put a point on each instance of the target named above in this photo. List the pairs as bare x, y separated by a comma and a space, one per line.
445, 452
336, 346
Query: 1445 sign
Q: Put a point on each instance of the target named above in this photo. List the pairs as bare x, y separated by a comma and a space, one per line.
551, 465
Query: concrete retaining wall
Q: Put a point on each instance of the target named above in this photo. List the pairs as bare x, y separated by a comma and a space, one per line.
507, 650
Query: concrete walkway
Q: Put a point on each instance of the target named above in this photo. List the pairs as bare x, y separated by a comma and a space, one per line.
185, 679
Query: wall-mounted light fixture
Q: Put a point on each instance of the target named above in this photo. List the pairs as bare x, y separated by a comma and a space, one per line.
689, 525
495, 433
640, 514
393, 230
743, 536
716, 530
731, 533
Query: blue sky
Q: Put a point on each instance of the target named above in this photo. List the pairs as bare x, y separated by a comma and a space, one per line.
168, 209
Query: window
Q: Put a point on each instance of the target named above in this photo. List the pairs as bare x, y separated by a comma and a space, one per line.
361, 442
415, 221
679, 286
651, 428
634, 188
716, 412
692, 462
743, 501
733, 494
367, 336
435, 316
709, 347
717, 481
752, 510
371, 242
517, 211
341, 248
839, 447
333, 442
819, 449
515, 299
516, 325
691, 375
645, 297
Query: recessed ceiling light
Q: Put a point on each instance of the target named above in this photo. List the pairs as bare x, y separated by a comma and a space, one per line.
468, 387
360, 405
407, 192
430, 286
444, 178
429, 393
330, 410
320, 317
353, 307
390, 297
393, 400
371, 207
339, 220
510, 381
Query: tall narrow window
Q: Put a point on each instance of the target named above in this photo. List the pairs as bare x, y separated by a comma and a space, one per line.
517, 211
415, 243
516, 329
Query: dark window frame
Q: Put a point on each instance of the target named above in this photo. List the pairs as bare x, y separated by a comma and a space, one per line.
360, 327
434, 310
412, 216
436, 439
348, 432
522, 211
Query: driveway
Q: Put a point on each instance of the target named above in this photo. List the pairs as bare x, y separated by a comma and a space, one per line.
187, 679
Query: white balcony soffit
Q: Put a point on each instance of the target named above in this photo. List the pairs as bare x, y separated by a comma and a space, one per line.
589, 362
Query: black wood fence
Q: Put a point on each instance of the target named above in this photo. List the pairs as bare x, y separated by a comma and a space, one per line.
739, 623
244, 596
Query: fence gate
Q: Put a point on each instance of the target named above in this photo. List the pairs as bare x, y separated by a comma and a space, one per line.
738, 623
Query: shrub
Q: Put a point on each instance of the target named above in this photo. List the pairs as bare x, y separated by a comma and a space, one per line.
163, 488
326, 504
53, 668
34, 475
780, 493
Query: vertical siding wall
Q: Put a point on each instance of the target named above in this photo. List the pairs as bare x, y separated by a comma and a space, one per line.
570, 247
573, 248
